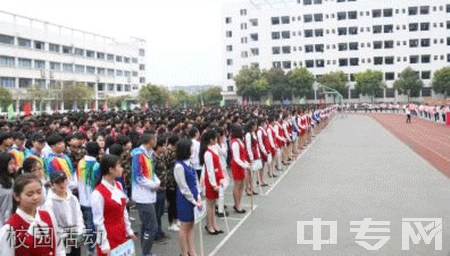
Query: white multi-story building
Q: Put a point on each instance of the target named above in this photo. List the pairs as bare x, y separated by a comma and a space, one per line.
337, 35
40, 53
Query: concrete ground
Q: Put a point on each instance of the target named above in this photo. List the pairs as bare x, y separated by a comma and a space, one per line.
354, 169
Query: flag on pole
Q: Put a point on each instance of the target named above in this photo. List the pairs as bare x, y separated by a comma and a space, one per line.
245, 102
124, 105
75, 107
10, 111
145, 107
286, 101
222, 103
93, 106
268, 102
105, 107
56, 107
27, 109
302, 101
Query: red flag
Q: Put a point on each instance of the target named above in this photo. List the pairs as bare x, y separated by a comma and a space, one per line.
27, 109
245, 102
105, 107
93, 106
56, 107
145, 107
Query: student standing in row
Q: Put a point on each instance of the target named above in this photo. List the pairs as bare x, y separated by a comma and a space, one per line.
7, 175
239, 164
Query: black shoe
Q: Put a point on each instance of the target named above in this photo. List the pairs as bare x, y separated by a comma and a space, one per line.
239, 211
209, 232
264, 185
255, 193
220, 231
222, 214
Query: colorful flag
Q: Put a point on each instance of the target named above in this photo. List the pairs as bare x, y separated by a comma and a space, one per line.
27, 109
145, 107
245, 102
286, 101
302, 101
56, 107
93, 106
268, 102
105, 107
222, 103
10, 111
124, 105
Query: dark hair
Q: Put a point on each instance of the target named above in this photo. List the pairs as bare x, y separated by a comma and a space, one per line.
236, 131
107, 161
116, 149
192, 132
160, 142
5, 177
206, 138
18, 135
29, 164
147, 137
122, 139
92, 149
173, 139
19, 184
54, 138
184, 149
4, 136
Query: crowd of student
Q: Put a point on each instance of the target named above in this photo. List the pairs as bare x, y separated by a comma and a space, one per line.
68, 180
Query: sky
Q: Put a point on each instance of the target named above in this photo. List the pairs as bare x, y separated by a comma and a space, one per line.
183, 36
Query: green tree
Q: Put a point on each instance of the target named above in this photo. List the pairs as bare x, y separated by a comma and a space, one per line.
369, 82
245, 79
441, 81
212, 95
116, 101
300, 82
184, 98
277, 83
154, 95
409, 82
336, 80
79, 92
6, 97
37, 94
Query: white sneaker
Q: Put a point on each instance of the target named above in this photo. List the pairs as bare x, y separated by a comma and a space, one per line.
132, 219
174, 228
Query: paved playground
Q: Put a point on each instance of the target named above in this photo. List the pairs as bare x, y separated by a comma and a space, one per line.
354, 169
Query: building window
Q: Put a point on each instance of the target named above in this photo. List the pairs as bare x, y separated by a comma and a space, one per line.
342, 47
425, 42
309, 48
244, 54
275, 35
133, 60
141, 67
100, 55
342, 31
276, 50
119, 73
389, 76
229, 62
318, 17
308, 32
353, 30
309, 63
319, 47
286, 49
229, 48
276, 64
388, 44
54, 48
68, 67
67, 50
412, 10
254, 22
38, 45
354, 62
426, 58
90, 54
229, 76
5, 39
142, 52
388, 28
376, 13
254, 36
230, 88
388, 12
353, 46
426, 75
286, 64
413, 43
24, 42
79, 69
413, 27
378, 45
285, 20
318, 32
378, 60
275, 20
320, 63
343, 62
79, 52
24, 63
25, 83
243, 12
90, 70
425, 26
284, 35
307, 18
413, 59
228, 20
307, 2
39, 64
56, 66
127, 88
119, 59
424, 10
353, 15
243, 26
377, 29
341, 15
8, 82
389, 60
101, 71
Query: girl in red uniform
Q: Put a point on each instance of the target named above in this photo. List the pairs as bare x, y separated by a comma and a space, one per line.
265, 150
213, 175
251, 145
239, 164
29, 231
109, 207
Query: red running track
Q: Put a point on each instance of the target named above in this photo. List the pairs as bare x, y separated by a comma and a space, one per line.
429, 139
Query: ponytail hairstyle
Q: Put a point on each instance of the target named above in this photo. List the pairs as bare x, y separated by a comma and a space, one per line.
107, 161
206, 138
237, 132
19, 184
261, 122
28, 165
